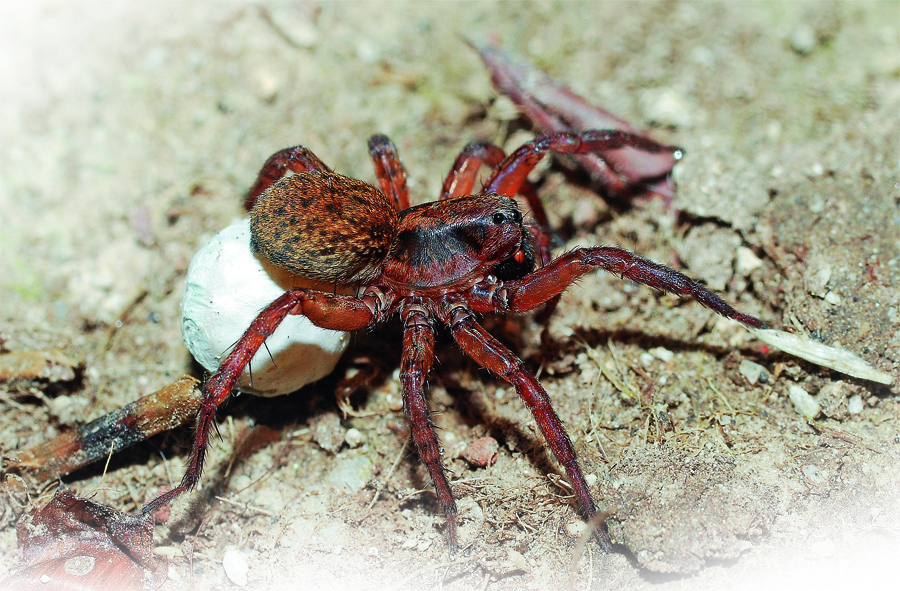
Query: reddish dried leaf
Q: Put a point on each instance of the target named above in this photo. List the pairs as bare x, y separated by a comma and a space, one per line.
624, 173
74, 543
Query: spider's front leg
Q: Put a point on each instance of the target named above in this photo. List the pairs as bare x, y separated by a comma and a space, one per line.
418, 355
513, 171
489, 353
537, 288
335, 312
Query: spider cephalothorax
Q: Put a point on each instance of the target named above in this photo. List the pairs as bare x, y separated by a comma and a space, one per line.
442, 262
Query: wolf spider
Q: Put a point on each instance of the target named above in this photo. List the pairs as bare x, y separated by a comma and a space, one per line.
446, 262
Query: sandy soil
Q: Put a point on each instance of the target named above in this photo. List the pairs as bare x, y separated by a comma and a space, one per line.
129, 131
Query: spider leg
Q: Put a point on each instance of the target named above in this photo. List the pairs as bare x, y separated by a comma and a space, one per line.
512, 172
489, 353
549, 281
335, 312
389, 170
297, 159
461, 179
418, 355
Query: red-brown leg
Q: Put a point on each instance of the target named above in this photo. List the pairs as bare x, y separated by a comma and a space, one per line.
461, 179
389, 170
297, 159
418, 355
545, 283
512, 172
493, 356
335, 312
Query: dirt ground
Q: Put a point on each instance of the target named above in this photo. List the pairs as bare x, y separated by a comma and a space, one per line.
129, 131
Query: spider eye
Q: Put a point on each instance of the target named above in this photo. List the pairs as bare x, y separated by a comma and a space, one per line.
498, 218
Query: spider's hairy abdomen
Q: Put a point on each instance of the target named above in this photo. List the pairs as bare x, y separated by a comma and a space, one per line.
324, 226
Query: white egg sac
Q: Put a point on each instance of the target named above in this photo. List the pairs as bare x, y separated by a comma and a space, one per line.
227, 286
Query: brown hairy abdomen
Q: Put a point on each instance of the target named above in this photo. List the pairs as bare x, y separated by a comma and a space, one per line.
324, 226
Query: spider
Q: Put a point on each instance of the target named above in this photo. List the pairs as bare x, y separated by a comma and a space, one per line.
446, 262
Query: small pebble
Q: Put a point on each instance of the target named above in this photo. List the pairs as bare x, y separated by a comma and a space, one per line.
855, 405
751, 371
236, 568
367, 51
805, 404
818, 277
267, 83
301, 31
812, 473
662, 354
803, 39
833, 298
894, 315
747, 261
169, 551
482, 452
817, 205
586, 213
504, 109
329, 433
353, 438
